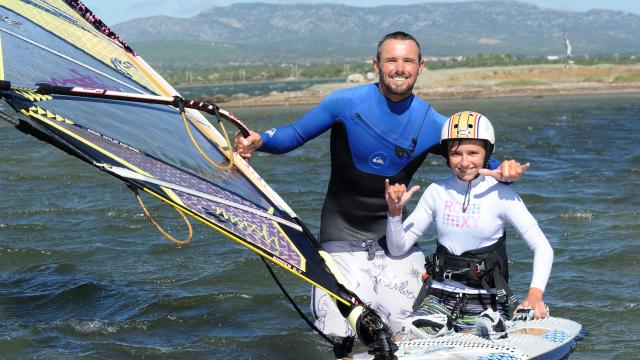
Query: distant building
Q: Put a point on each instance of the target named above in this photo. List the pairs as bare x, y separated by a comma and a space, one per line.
355, 78
444, 58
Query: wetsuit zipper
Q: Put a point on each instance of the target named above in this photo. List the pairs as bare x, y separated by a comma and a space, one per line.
375, 131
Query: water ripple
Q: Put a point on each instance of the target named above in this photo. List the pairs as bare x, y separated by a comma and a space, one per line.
84, 275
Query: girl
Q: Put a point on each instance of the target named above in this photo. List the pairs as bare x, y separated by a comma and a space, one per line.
467, 276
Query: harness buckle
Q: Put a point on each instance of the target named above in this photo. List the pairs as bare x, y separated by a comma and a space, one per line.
369, 246
447, 275
479, 269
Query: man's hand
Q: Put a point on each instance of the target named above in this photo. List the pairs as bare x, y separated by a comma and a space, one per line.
247, 145
397, 196
508, 171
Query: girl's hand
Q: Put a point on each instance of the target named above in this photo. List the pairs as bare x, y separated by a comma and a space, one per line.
534, 301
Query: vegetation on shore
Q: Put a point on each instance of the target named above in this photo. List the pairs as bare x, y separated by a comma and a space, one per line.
629, 77
185, 76
478, 82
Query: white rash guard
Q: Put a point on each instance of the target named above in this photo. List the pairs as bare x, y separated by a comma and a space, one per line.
490, 205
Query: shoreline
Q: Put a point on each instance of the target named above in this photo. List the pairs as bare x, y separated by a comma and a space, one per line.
232, 83
313, 98
481, 83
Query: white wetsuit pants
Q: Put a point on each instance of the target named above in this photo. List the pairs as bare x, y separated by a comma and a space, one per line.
387, 284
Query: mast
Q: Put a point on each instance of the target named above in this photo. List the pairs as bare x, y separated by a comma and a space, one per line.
567, 49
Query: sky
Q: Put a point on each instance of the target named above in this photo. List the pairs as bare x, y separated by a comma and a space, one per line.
116, 11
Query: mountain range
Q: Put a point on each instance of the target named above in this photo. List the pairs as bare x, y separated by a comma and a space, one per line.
261, 33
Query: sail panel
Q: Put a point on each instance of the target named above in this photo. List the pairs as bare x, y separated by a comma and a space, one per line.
115, 119
32, 17
257, 231
45, 41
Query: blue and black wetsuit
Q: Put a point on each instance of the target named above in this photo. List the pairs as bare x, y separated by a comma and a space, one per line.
372, 138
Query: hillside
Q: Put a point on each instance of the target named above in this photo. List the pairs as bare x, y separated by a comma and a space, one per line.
260, 33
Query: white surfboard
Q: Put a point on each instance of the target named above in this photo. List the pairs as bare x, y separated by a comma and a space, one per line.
550, 338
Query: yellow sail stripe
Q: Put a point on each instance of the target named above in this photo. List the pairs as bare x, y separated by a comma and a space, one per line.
33, 96
335, 269
1, 60
151, 77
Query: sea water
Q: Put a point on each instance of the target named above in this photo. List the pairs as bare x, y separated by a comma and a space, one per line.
84, 275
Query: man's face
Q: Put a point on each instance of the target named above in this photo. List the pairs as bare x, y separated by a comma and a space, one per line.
398, 68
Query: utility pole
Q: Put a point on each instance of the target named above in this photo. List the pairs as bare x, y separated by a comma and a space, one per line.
293, 71
189, 75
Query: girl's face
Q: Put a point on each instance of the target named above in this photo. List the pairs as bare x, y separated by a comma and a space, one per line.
466, 158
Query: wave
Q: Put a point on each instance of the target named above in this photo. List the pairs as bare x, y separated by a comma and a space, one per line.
579, 215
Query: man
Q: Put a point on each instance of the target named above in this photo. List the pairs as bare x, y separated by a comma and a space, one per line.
378, 131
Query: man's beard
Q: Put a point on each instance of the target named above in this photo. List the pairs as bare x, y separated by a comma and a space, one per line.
398, 91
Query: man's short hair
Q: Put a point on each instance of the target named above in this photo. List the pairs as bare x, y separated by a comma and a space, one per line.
398, 35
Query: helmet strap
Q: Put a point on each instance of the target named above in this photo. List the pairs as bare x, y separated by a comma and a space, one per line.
488, 150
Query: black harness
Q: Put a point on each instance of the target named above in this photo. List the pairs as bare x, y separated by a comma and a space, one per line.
484, 268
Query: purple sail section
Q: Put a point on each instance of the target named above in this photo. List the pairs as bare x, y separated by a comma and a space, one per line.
259, 231
256, 229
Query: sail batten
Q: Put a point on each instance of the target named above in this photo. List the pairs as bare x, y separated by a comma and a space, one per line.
126, 173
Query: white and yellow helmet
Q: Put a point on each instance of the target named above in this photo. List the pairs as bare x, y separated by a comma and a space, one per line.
469, 125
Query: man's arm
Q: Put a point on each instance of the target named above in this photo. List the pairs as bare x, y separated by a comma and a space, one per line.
507, 171
285, 138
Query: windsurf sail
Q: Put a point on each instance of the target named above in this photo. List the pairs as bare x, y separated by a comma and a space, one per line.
62, 45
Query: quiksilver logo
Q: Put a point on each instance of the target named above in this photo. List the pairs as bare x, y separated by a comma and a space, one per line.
270, 132
378, 159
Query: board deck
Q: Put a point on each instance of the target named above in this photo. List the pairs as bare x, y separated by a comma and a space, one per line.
550, 338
